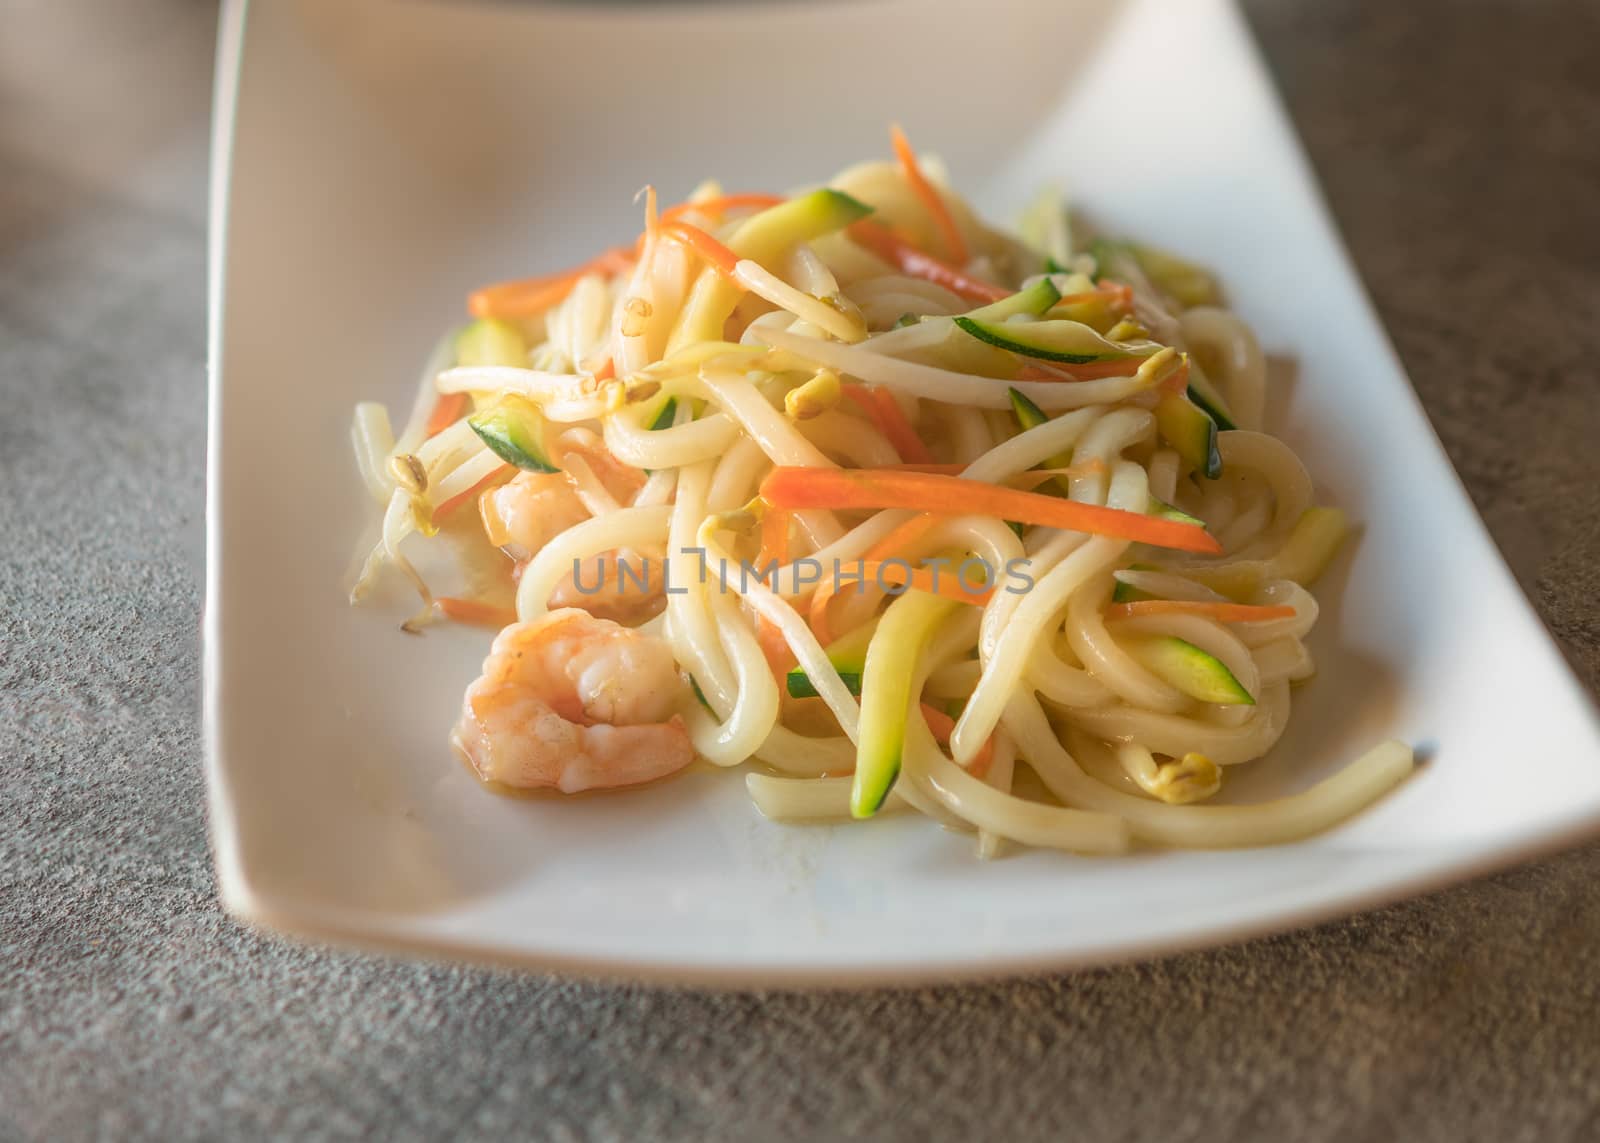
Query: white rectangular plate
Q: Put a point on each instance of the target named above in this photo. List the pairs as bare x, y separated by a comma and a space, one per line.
375, 160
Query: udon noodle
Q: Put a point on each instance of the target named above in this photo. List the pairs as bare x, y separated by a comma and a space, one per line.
893, 509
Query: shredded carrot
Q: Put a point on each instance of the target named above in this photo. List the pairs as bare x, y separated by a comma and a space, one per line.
444, 508
527, 297
774, 538
447, 411
840, 488
475, 612
908, 533
1221, 612
944, 469
775, 649
955, 245
1114, 292
723, 260
886, 414
521, 299
919, 264
721, 204
943, 726
895, 543
606, 371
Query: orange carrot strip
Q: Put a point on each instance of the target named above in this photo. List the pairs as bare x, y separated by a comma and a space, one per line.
897, 541
474, 612
775, 649
955, 245
527, 297
719, 256
841, 488
774, 538
943, 726
607, 371
944, 469
722, 204
447, 411
900, 253
899, 430
887, 415
444, 508
1221, 612
1115, 293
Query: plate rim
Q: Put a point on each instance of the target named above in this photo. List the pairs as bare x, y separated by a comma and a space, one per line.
243, 897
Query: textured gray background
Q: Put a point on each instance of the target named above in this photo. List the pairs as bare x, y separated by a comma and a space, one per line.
1457, 143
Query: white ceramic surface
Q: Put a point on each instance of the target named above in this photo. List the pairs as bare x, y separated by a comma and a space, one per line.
374, 160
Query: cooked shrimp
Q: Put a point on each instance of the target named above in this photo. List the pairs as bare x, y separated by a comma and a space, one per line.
575, 703
523, 516
526, 514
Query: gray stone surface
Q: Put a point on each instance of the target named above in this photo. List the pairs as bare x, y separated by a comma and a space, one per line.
1457, 145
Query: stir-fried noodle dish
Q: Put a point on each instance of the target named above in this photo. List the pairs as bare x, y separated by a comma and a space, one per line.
887, 507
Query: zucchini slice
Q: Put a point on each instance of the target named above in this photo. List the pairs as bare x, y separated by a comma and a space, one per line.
1187, 428
800, 685
1163, 511
1179, 663
514, 429
1070, 342
1205, 395
1027, 413
766, 235
1106, 254
1127, 593
663, 419
1030, 415
761, 238
886, 695
1030, 301
490, 341
1312, 544
848, 654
